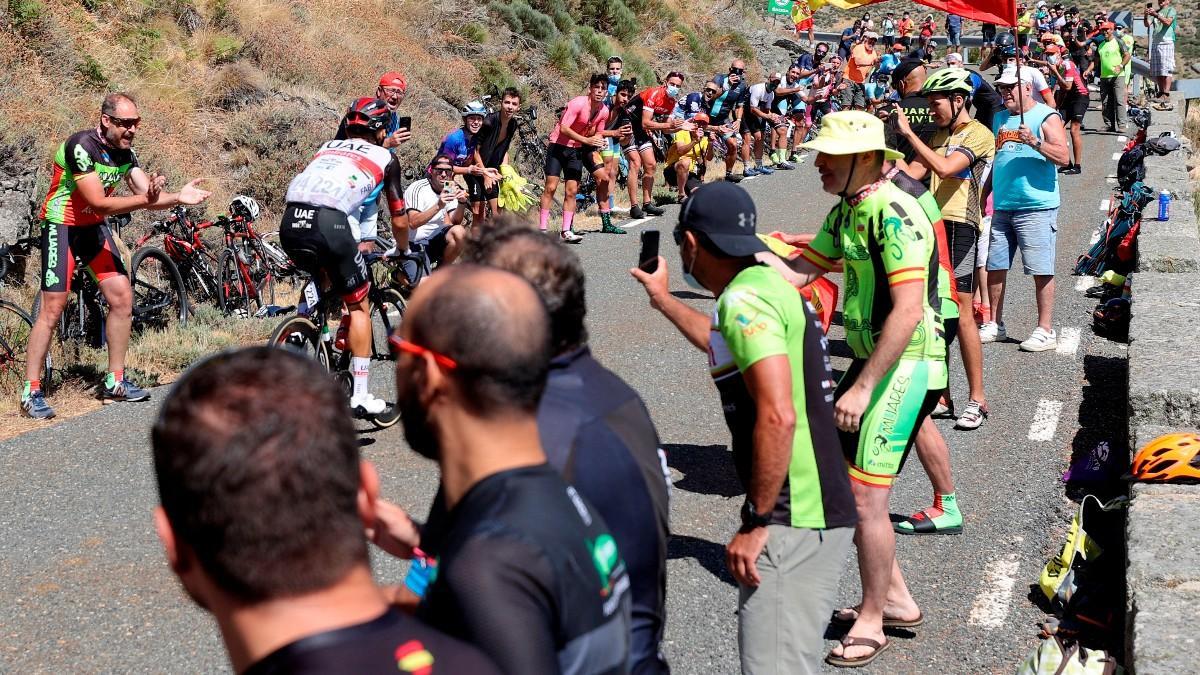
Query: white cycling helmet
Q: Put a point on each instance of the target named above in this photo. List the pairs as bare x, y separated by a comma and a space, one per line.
244, 206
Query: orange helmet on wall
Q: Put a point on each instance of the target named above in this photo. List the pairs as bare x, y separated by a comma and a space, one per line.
1174, 458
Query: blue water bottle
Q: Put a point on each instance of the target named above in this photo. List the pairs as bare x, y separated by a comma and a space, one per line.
1164, 205
421, 573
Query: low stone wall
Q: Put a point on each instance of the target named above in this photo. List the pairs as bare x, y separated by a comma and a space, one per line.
1163, 524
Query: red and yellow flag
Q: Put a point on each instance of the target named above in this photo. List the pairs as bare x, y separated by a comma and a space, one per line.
999, 12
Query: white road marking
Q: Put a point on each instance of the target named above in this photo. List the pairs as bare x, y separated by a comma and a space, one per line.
1116, 156
1045, 420
1084, 283
1068, 341
1104, 203
992, 604
1122, 140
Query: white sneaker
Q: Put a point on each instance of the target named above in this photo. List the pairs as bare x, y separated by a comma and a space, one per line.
1040, 340
368, 404
990, 331
570, 237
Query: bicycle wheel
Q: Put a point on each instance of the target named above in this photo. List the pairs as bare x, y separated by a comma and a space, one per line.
387, 311
298, 334
235, 297
159, 298
15, 326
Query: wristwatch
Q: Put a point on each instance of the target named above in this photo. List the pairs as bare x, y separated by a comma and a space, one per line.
752, 519
1038, 147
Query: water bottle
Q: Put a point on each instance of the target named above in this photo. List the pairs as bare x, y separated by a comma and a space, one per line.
421, 573
1164, 205
325, 336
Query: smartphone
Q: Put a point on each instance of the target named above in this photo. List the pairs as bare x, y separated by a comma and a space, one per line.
404, 123
648, 258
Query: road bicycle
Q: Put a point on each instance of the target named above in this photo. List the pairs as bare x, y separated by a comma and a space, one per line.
15, 326
307, 332
195, 260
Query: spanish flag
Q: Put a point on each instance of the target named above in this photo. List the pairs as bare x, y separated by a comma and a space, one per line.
999, 12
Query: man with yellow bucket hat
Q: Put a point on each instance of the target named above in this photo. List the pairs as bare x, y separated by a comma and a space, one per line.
894, 327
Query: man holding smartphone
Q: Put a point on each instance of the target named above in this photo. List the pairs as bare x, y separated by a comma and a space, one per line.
391, 90
436, 206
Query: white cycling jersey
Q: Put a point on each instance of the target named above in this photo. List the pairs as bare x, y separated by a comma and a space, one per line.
344, 174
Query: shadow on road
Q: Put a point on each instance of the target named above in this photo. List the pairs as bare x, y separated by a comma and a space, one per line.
710, 555
706, 469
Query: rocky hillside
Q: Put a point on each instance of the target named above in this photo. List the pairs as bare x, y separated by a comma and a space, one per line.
241, 91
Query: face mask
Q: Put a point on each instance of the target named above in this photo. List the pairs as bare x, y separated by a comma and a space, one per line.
1052, 59
772, 86
687, 274
613, 79
672, 90
417, 430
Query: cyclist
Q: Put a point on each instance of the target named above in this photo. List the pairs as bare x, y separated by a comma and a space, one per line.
894, 327
341, 176
391, 90
87, 169
758, 126
650, 103
460, 145
491, 152
436, 207
575, 145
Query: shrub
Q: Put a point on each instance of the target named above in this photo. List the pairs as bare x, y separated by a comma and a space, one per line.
473, 32
224, 49
506, 14
594, 43
142, 43
234, 86
624, 22
534, 23
496, 76
563, 21
739, 45
25, 13
698, 49
272, 144
90, 72
563, 55
636, 66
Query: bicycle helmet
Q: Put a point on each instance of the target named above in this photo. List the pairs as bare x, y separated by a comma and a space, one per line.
370, 113
948, 81
473, 108
1007, 44
1174, 458
1139, 116
244, 206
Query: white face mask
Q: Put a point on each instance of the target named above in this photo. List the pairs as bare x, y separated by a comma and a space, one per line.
687, 273
1052, 59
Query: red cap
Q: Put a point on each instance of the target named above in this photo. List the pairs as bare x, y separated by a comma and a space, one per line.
1108, 25
897, 47
1051, 49
393, 80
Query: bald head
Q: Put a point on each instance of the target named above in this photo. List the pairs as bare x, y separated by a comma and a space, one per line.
494, 326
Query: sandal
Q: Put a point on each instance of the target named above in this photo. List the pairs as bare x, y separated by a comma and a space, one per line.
851, 641
847, 617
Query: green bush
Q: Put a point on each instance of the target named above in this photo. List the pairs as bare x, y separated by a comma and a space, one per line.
739, 45
563, 55
90, 72
536, 25
225, 49
473, 32
563, 21
636, 66
24, 13
142, 42
594, 43
699, 50
496, 76
611, 16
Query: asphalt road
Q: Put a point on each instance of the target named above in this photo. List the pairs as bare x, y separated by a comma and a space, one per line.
85, 588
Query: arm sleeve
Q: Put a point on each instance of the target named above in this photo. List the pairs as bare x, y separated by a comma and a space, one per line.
507, 610
824, 250
393, 187
752, 328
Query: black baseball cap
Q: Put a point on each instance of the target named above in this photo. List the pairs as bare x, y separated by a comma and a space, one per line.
725, 214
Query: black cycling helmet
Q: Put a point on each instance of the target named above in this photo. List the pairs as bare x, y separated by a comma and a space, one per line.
1005, 42
369, 113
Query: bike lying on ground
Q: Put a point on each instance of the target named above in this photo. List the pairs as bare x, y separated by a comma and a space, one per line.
15, 325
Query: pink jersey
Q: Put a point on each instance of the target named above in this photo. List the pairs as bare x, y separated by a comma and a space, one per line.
578, 116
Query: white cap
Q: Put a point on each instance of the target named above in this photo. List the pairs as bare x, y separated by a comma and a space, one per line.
954, 56
1009, 76
870, 35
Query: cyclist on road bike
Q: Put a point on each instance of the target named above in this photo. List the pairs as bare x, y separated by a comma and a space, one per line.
340, 178
87, 169
643, 108
435, 212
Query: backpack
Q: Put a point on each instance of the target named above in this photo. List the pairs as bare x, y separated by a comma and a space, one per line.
1056, 656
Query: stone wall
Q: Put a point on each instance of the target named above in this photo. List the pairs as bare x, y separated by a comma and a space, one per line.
1163, 526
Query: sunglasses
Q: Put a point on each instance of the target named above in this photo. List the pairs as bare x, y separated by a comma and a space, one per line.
125, 122
442, 169
399, 344
393, 91
737, 71
710, 91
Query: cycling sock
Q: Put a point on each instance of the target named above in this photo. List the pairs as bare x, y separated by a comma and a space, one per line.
361, 367
568, 218
31, 387
947, 503
611, 202
543, 219
606, 219
113, 377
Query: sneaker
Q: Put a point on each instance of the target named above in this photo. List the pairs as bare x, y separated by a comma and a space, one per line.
1040, 340
123, 391
1073, 170
569, 237
635, 212
765, 170
972, 416
611, 229
1066, 169
733, 178
931, 520
367, 404
785, 166
751, 172
36, 407
943, 410
991, 331
652, 210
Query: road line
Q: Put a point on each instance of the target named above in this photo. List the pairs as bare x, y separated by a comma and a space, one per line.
1122, 140
1116, 156
1084, 283
1068, 341
993, 602
1104, 203
1045, 420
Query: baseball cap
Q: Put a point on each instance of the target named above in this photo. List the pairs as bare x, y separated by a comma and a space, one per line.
906, 66
724, 213
897, 47
775, 77
393, 79
954, 57
1108, 25
870, 35
1051, 49
1009, 76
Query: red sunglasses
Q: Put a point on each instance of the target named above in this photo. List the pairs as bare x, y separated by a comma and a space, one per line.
399, 344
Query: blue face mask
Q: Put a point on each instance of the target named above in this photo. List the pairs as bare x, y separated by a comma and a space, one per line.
687, 274
614, 79
672, 90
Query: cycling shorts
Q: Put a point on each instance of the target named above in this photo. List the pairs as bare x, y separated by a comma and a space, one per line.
641, 137
963, 240
752, 123
476, 191
569, 163
899, 404
319, 240
613, 149
65, 246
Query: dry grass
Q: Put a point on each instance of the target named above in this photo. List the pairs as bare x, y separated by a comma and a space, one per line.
1191, 129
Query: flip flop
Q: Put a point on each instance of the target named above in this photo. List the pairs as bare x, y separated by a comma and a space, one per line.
840, 618
850, 641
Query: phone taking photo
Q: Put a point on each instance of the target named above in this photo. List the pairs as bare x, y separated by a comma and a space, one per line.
404, 123
648, 258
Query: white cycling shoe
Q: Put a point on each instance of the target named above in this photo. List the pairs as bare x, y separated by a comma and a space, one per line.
367, 405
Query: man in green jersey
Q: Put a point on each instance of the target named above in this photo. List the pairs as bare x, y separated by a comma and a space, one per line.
768, 357
87, 169
892, 316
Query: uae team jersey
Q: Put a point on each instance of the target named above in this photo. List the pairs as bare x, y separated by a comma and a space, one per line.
345, 174
81, 154
760, 315
886, 239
